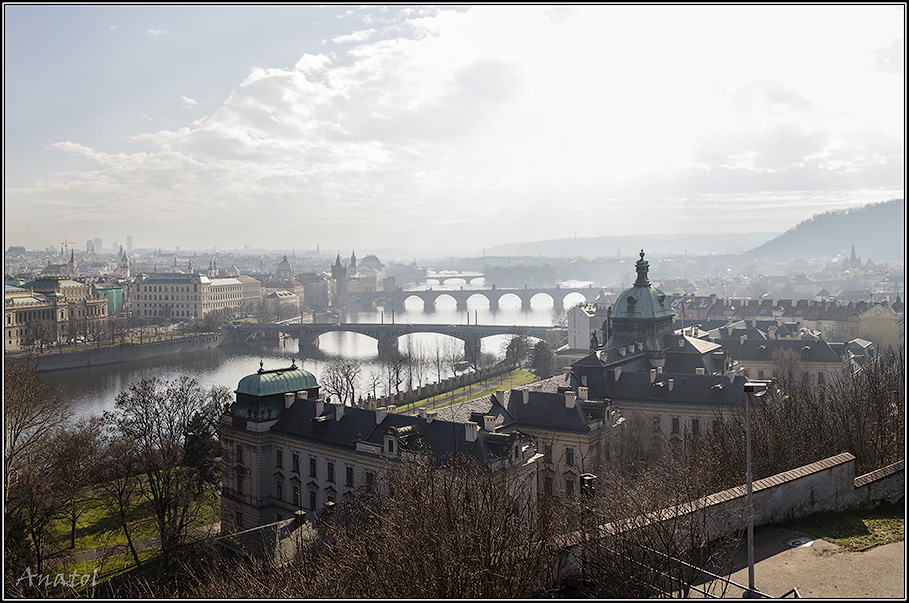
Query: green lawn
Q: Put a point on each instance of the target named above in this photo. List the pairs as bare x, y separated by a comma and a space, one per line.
856, 530
99, 525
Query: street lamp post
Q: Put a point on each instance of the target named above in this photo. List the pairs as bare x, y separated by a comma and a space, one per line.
750, 389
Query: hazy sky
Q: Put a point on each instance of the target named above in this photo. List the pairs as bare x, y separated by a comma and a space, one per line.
448, 129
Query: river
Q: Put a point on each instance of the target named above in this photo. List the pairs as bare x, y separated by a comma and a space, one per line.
94, 390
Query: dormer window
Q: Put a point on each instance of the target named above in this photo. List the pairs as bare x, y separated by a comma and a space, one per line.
390, 445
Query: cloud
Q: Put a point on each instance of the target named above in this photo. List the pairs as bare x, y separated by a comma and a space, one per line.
357, 36
189, 102
157, 32
500, 118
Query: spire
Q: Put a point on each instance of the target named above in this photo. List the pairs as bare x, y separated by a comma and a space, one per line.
642, 267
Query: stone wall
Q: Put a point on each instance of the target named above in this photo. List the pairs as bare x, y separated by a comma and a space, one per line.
126, 353
432, 389
827, 485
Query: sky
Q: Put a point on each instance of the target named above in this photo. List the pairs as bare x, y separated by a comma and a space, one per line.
446, 129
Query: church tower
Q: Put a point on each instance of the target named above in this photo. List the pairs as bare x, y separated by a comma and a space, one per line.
124, 265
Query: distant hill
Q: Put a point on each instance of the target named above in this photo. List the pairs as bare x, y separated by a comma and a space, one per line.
878, 232
610, 246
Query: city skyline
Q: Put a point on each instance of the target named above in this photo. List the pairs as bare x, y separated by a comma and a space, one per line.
443, 129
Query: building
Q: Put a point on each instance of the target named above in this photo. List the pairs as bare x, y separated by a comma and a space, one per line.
287, 449
285, 270
113, 294
586, 326
883, 326
179, 297
50, 309
572, 439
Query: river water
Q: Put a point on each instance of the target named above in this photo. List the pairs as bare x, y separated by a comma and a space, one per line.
94, 390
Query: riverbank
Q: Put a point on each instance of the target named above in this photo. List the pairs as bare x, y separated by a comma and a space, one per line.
126, 352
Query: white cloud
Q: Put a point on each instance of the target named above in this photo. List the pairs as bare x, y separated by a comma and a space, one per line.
505, 116
189, 102
357, 36
157, 32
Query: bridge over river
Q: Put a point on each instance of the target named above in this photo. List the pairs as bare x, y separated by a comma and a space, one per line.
396, 299
387, 334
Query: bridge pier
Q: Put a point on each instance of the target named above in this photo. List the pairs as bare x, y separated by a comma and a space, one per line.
472, 349
493, 303
388, 346
525, 304
461, 304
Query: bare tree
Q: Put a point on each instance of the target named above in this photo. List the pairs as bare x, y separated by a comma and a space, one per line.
155, 416
74, 460
32, 411
342, 379
788, 363
119, 483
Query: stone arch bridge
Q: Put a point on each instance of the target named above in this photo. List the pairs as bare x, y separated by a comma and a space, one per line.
395, 299
387, 334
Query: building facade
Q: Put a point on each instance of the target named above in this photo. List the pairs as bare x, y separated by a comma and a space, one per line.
179, 297
286, 449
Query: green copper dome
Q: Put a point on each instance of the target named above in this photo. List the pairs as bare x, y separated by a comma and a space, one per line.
642, 300
277, 381
641, 314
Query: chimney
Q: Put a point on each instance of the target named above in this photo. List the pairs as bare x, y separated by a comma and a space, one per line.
471, 430
699, 371
621, 351
742, 339
671, 383
421, 412
582, 393
299, 518
618, 372
653, 374
489, 423
390, 408
566, 370
320, 407
682, 342
430, 415
339, 411
754, 323
500, 396
380, 414
570, 398
288, 400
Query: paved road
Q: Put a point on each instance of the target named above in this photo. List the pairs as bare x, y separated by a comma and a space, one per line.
786, 559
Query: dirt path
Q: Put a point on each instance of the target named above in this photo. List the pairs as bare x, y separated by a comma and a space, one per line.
141, 545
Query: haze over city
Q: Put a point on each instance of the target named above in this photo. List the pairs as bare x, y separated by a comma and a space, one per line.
443, 129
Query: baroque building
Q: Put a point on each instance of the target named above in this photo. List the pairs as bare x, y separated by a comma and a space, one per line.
287, 449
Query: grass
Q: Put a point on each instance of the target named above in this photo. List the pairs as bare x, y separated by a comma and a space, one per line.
856, 530
99, 525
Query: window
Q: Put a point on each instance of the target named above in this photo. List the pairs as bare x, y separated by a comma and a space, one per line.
239, 518
547, 453
312, 500
676, 425
569, 487
296, 463
391, 445
279, 489
313, 470
820, 378
331, 472
760, 374
350, 476
547, 488
279, 458
695, 426
239, 483
569, 457
240, 454
298, 501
